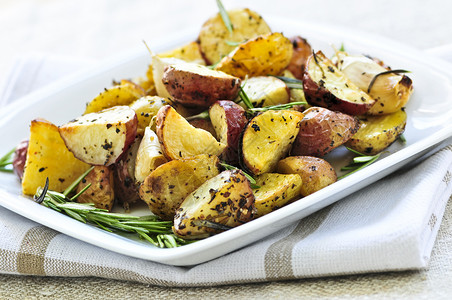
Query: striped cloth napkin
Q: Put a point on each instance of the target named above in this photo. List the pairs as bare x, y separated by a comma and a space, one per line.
389, 226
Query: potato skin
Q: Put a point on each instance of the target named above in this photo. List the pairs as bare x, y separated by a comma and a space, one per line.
196, 86
376, 133
301, 52
226, 199
169, 184
323, 130
19, 158
101, 191
316, 173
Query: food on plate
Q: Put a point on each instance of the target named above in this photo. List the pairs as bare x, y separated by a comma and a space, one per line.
220, 203
376, 133
166, 187
190, 52
216, 41
194, 85
149, 155
265, 91
390, 89
179, 139
100, 138
19, 158
323, 130
267, 54
296, 90
203, 123
301, 52
125, 183
324, 85
267, 138
316, 173
275, 191
146, 108
101, 189
228, 120
48, 157
121, 94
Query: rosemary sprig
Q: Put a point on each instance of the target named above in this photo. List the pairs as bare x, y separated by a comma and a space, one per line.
291, 83
201, 115
224, 15
277, 106
402, 139
244, 97
342, 48
252, 181
6, 161
359, 162
371, 84
150, 228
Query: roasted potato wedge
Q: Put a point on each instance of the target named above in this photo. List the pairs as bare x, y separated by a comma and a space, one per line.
267, 54
125, 186
179, 139
228, 120
275, 191
100, 138
48, 156
215, 39
223, 201
149, 155
315, 173
122, 94
101, 191
190, 52
323, 130
204, 124
301, 52
376, 133
158, 68
324, 85
146, 108
267, 138
194, 85
391, 91
169, 184
265, 91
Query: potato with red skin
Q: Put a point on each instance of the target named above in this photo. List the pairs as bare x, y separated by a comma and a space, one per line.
322, 130
228, 120
324, 85
301, 52
19, 158
101, 138
194, 85
315, 173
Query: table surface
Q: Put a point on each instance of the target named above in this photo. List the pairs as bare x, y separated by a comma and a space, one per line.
98, 29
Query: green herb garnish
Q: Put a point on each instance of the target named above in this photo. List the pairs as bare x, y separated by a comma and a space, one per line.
291, 83
6, 161
150, 228
224, 15
402, 139
252, 181
245, 99
359, 162
342, 48
277, 106
201, 115
234, 44
383, 73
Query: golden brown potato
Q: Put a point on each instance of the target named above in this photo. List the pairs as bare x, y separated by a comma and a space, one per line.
376, 133
190, 52
301, 52
324, 85
146, 108
48, 156
323, 130
267, 54
316, 173
179, 139
267, 138
194, 85
149, 155
265, 91
222, 202
101, 192
122, 94
169, 184
275, 191
215, 39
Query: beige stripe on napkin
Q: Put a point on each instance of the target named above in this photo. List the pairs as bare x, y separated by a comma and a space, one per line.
30, 259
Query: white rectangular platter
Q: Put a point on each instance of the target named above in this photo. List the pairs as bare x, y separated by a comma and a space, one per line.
429, 123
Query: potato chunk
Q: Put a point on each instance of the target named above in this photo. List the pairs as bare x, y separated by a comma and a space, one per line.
267, 138
48, 156
146, 108
265, 91
101, 192
268, 54
275, 191
223, 201
169, 184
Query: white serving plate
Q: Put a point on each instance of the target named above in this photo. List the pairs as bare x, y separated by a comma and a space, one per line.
429, 123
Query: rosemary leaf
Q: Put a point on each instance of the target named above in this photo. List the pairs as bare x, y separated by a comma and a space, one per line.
402, 139
202, 115
73, 185
245, 99
248, 176
224, 15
